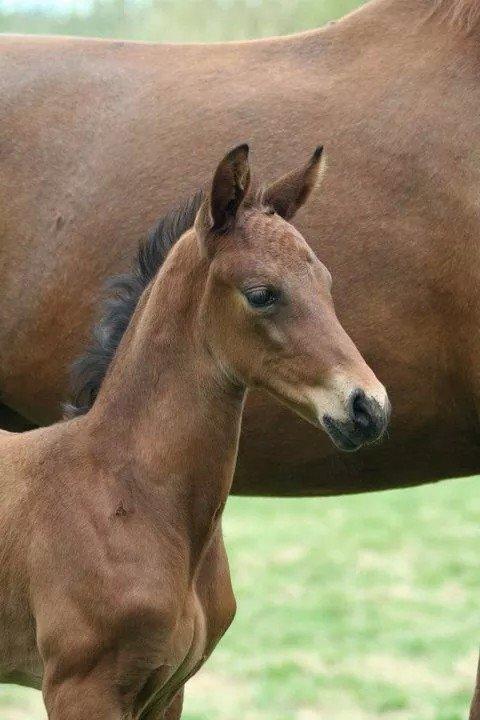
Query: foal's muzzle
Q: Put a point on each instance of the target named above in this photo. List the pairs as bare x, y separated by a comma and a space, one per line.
366, 421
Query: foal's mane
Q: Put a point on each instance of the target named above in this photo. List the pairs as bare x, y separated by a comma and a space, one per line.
462, 14
123, 294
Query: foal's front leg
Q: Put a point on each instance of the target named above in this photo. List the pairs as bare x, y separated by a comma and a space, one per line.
174, 710
87, 697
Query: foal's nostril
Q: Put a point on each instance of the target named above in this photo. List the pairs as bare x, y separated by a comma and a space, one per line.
366, 421
360, 412
365, 415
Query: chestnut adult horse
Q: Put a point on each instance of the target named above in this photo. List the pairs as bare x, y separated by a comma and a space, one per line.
114, 582
99, 138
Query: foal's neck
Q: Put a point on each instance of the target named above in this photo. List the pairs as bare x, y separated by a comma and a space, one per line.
166, 413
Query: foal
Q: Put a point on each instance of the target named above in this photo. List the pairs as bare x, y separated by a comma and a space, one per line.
114, 584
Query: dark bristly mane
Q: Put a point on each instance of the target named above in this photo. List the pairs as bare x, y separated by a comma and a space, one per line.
462, 14
124, 292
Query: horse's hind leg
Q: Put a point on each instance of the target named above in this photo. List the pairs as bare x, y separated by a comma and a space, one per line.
83, 698
475, 706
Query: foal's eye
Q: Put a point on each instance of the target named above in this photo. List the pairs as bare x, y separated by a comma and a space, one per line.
262, 297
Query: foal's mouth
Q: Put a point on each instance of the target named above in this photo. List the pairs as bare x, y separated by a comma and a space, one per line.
339, 437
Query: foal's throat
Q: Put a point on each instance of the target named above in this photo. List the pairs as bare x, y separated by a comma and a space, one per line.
166, 411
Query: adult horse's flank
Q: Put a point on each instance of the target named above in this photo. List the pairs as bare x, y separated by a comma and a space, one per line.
93, 148
114, 584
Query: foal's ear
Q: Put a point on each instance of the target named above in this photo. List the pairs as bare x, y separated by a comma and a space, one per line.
229, 187
289, 193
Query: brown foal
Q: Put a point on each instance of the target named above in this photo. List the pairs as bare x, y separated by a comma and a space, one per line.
114, 583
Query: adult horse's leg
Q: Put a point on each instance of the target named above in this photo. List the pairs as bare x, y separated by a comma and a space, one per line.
475, 706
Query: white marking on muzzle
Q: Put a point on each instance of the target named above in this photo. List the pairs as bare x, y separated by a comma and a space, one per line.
332, 398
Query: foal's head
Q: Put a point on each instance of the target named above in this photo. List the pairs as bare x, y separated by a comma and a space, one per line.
268, 315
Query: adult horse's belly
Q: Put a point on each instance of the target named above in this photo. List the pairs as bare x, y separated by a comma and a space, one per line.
29, 672
99, 139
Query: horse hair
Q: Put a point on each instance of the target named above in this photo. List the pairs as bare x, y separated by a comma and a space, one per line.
463, 14
123, 294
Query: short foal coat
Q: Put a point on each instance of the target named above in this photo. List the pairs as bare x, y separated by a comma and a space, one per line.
114, 583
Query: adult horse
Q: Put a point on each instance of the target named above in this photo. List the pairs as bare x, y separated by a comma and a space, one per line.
89, 130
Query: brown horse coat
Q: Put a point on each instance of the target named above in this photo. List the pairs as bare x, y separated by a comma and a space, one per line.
98, 138
90, 130
114, 583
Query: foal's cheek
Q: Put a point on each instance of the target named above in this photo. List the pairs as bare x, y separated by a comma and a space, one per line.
276, 335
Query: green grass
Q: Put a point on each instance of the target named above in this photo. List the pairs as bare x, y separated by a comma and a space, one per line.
356, 607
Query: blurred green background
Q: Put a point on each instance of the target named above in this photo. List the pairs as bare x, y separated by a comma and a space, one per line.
349, 608
170, 20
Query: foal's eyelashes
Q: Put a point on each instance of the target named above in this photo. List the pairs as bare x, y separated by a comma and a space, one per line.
262, 297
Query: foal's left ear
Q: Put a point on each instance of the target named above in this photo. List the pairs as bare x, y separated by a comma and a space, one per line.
292, 191
229, 187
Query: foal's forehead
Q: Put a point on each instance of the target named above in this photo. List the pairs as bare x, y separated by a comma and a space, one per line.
276, 236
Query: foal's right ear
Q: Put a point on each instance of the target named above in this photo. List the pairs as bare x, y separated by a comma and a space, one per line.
229, 186
292, 191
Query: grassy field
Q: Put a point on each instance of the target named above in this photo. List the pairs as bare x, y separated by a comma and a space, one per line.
349, 608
